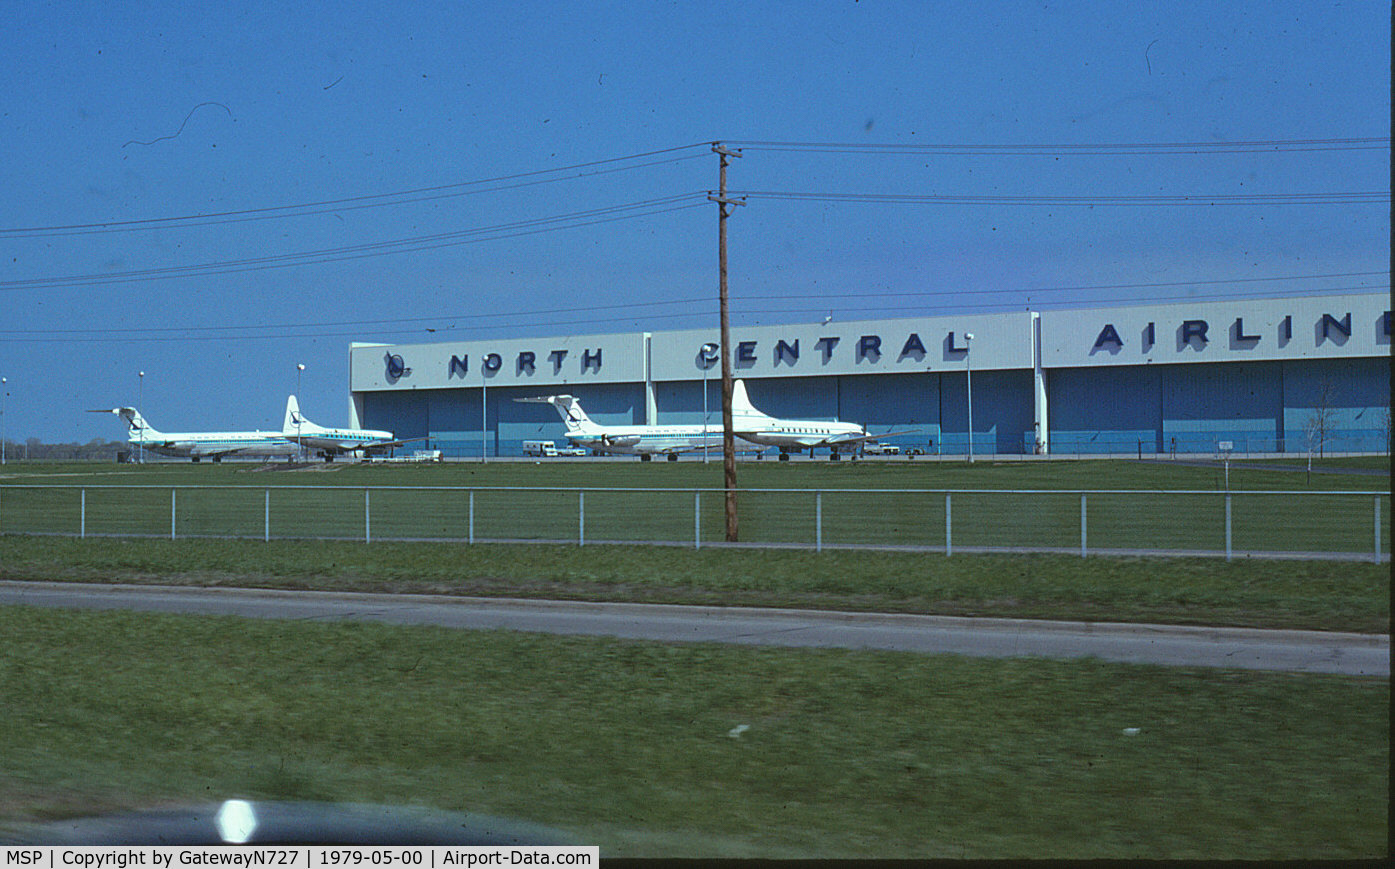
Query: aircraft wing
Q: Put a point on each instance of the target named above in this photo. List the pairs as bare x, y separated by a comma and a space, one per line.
319, 442
742, 446
853, 440
383, 445
203, 451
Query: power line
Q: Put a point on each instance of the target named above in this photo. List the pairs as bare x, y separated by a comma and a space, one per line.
1265, 146
535, 318
455, 189
1354, 198
375, 200
861, 294
416, 244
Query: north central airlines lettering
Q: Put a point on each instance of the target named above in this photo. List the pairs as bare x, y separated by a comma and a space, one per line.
525, 364
1196, 334
867, 348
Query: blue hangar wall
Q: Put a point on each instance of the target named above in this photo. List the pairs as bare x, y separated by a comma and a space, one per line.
1266, 375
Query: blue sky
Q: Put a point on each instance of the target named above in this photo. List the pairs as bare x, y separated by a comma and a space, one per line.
132, 118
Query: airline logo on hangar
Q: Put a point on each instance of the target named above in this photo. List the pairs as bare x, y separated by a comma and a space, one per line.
525, 363
1197, 334
867, 348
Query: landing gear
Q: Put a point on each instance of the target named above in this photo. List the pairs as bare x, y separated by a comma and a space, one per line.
784, 455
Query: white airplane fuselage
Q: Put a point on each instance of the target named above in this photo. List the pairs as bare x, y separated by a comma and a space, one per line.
793, 435
652, 439
637, 440
198, 445
801, 434
341, 440
213, 444
329, 442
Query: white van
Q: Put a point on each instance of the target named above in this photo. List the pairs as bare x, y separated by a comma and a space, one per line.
539, 448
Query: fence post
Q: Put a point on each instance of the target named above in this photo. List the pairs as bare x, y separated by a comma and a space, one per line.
472, 515
82, 518
949, 540
173, 502
266, 518
367, 522
697, 519
818, 521
581, 518
1082, 524
1227, 526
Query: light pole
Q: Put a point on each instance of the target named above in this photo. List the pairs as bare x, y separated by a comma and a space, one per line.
299, 447
969, 384
484, 409
140, 405
708, 355
4, 393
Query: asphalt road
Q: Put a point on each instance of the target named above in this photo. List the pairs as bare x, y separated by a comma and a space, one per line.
1293, 651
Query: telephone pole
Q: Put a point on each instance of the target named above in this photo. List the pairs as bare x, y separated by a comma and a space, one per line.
724, 206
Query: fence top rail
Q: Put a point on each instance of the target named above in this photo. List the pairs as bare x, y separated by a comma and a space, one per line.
689, 491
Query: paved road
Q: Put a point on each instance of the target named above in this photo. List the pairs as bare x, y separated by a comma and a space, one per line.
1296, 651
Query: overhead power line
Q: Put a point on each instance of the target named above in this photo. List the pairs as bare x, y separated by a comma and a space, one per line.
1356, 198
934, 301
415, 244
535, 177
1109, 149
374, 200
705, 314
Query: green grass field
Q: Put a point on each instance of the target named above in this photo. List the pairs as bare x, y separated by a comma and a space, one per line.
638, 747
690, 473
1251, 593
1351, 596
630, 745
1153, 506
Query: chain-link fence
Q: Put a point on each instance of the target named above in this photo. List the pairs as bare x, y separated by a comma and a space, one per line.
1303, 524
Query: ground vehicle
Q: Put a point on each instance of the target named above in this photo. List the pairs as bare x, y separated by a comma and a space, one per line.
877, 449
539, 448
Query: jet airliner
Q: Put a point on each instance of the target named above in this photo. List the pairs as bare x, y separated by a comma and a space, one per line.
196, 445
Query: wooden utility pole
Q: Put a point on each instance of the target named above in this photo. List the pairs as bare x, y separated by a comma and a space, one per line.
728, 438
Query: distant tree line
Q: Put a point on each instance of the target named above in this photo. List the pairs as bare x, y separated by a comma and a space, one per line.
34, 449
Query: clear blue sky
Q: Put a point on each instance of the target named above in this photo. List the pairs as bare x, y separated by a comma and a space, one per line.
114, 113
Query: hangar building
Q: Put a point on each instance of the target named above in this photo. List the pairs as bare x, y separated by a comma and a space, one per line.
1265, 375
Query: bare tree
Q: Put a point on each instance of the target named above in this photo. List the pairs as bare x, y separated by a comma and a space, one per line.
1321, 423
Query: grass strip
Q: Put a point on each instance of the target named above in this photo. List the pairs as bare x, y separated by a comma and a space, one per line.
654, 750
1270, 594
987, 473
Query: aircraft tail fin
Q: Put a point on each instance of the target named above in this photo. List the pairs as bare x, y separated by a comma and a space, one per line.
741, 407
569, 408
295, 422
136, 426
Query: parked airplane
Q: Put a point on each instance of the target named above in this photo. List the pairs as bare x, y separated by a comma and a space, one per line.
794, 435
196, 445
330, 442
644, 441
